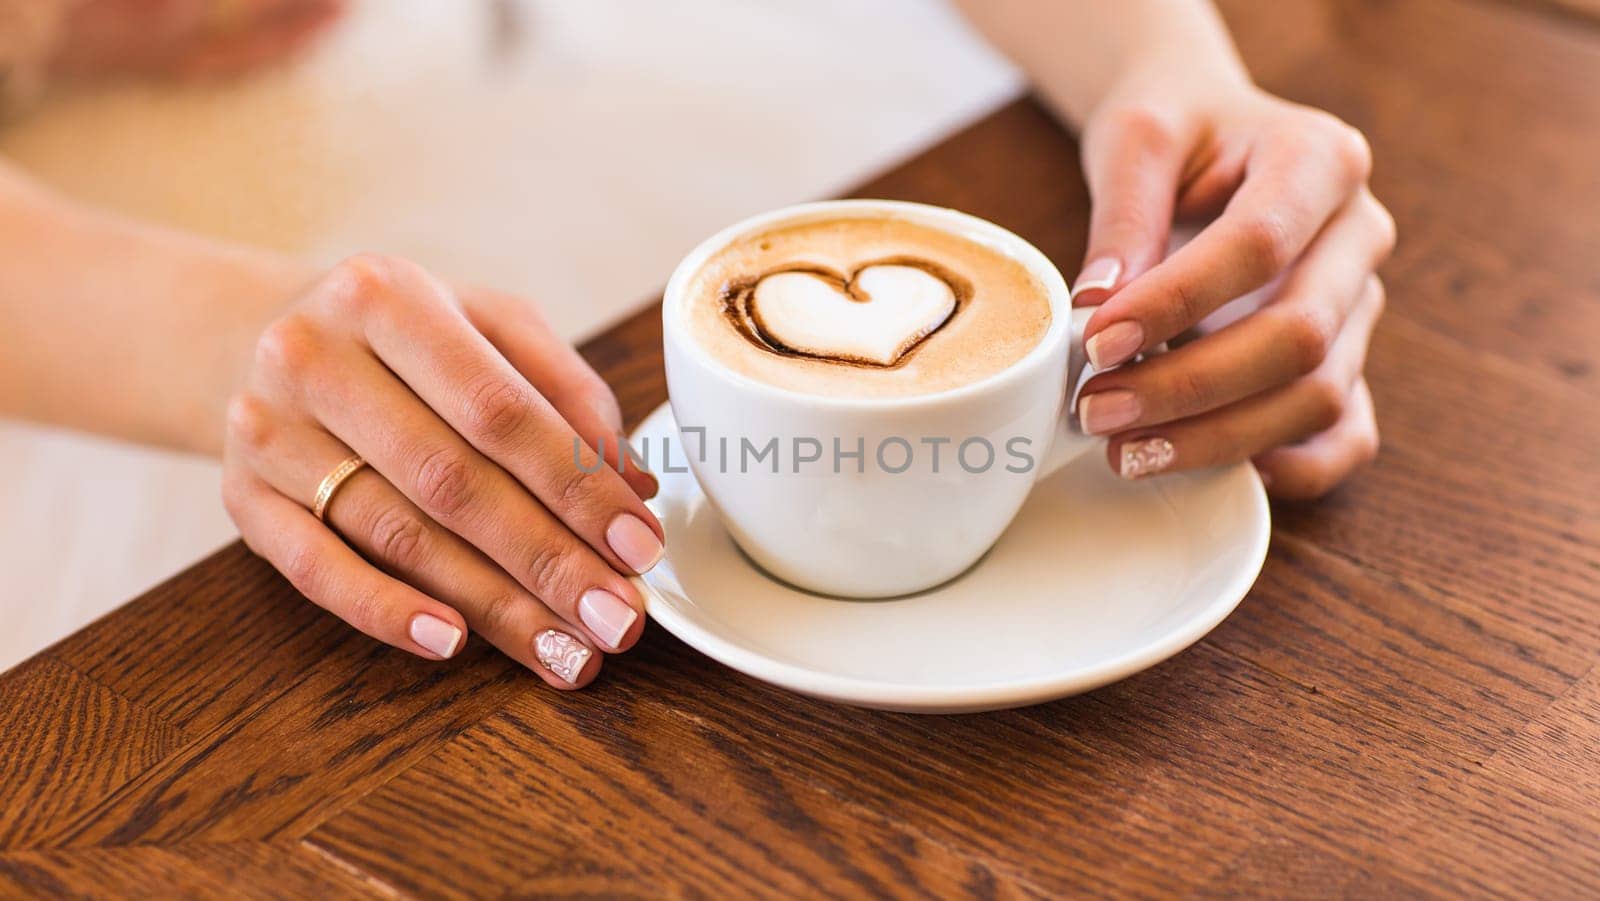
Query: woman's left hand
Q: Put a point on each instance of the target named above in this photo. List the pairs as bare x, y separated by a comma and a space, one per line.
1288, 187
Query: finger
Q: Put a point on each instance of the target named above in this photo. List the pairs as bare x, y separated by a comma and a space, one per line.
1208, 186
1132, 162
1295, 181
1310, 470
1284, 340
558, 372
387, 529
1242, 430
409, 321
334, 577
359, 402
393, 533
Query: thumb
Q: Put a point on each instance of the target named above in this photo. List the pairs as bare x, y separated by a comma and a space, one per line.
1132, 161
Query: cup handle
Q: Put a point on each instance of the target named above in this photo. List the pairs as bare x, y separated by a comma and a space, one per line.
1069, 442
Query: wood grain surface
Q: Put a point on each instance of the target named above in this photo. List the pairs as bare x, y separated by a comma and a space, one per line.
1407, 703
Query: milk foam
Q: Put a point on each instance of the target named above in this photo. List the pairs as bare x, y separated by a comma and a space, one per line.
873, 318
865, 307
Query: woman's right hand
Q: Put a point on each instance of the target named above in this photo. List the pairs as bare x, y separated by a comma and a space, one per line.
484, 504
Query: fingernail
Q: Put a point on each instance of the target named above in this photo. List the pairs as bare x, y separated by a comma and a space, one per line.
1106, 411
437, 636
634, 542
561, 654
1146, 457
1115, 344
1099, 275
607, 616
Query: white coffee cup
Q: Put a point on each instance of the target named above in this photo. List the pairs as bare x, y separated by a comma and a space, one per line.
870, 528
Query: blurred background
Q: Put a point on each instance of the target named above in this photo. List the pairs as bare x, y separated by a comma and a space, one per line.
568, 151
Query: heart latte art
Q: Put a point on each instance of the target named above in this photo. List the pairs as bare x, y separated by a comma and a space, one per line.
874, 317
865, 306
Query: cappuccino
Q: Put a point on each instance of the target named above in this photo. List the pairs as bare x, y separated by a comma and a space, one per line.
868, 306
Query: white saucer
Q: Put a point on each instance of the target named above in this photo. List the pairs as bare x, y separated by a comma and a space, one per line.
1096, 579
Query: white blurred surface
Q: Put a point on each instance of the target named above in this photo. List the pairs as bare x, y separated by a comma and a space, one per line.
575, 168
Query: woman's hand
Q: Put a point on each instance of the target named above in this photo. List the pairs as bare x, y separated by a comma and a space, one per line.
1288, 187
484, 504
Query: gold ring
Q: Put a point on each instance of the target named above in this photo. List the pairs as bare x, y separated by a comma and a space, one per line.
331, 483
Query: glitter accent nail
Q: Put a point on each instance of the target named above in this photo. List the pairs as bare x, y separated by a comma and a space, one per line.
561, 654
1145, 457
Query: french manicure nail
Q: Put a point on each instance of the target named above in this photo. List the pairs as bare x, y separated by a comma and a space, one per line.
1098, 275
1115, 344
1146, 457
437, 636
1107, 411
634, 542
561, 654
607, 616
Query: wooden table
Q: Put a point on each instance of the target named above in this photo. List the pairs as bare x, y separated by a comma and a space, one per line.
1406, 703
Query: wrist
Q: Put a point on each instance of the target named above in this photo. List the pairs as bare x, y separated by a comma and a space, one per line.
248, 291
1183, 57
1155, 76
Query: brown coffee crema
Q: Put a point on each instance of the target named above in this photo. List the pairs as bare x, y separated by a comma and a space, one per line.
997, 309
